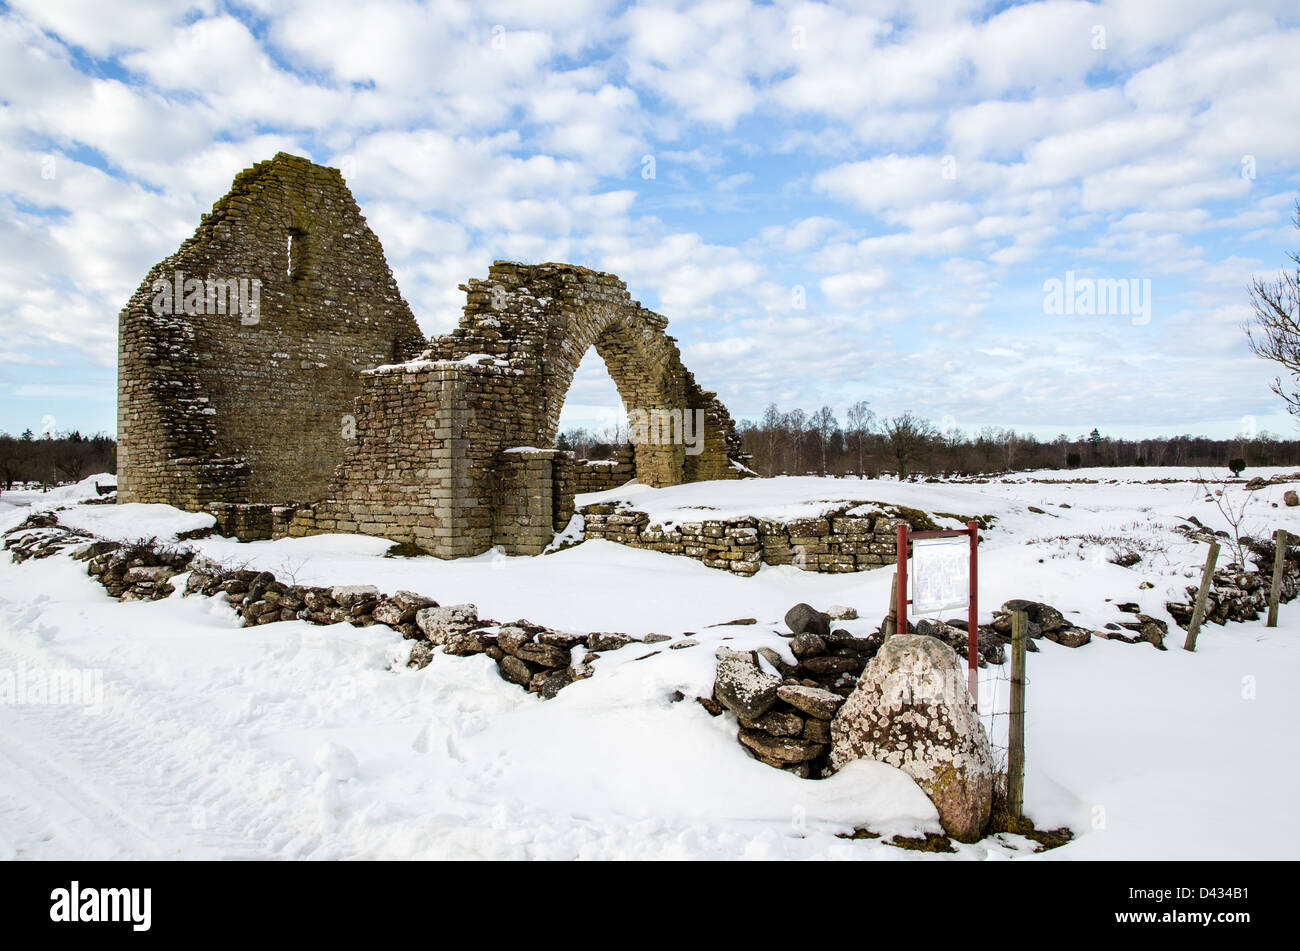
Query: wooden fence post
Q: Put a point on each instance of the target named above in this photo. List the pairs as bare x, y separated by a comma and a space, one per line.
1198, 612
1016, 730
891, 619
1279, 560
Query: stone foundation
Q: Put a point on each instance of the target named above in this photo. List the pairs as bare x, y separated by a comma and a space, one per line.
832, 543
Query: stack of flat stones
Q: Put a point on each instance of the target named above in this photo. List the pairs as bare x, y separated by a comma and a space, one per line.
785, 709
541, 660
1237, 594
39, 536
600, 475
261, 599
134, 572
137, 572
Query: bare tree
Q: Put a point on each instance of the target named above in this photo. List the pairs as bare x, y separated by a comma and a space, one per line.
771, 435
1274, 330
861, 419
987, 443
953, 441
1220, 492
796, 422
908, 437
824, 424
1010, 444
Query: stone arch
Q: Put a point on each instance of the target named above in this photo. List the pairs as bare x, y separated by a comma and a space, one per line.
454, 450
641, 361
542, 319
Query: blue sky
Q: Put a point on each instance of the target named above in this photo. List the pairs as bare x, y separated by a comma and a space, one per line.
848, 201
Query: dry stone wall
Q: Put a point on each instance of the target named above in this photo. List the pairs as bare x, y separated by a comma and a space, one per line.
1240, 594
834, 542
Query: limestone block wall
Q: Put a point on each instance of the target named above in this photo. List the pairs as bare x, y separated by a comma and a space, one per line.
526, 513
411, 468
831, 543
600, 475
428, 469
237, 392
563, 486
246, 521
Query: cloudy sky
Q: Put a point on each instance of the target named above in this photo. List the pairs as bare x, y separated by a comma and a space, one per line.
830, 202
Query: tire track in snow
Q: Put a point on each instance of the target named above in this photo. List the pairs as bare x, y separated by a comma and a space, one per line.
91, 784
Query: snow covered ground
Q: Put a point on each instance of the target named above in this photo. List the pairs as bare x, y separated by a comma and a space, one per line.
199, 738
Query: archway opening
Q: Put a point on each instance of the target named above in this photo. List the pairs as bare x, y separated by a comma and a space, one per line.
593, 420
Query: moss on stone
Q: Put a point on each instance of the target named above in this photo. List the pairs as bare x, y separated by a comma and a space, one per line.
1001, 820
930, 842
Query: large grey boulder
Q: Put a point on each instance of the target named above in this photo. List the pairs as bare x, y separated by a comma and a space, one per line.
804, 617
911, 710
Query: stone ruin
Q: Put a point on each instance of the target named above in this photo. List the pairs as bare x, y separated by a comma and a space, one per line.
270, 372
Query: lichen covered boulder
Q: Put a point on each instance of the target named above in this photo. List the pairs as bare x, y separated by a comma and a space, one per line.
911, 710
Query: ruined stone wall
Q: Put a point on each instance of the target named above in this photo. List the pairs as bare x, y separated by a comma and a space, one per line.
216, 404
833, 543
454, 450
542, 319
310, 411
601, 475
409, 469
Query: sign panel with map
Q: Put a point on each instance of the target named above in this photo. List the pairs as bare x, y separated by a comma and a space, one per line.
940, 574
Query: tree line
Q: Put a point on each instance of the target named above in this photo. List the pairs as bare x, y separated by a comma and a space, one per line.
800, 442
797, 442
54, 458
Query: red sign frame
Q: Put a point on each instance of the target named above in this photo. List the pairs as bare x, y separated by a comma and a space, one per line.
905, 533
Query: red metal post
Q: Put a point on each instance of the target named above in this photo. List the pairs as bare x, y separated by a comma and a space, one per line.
900, 623
972, 618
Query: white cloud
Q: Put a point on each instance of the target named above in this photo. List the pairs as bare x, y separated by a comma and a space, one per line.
913, 171
891, 181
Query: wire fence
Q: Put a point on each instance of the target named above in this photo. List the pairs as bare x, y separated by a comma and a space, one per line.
993, 683
995, 708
